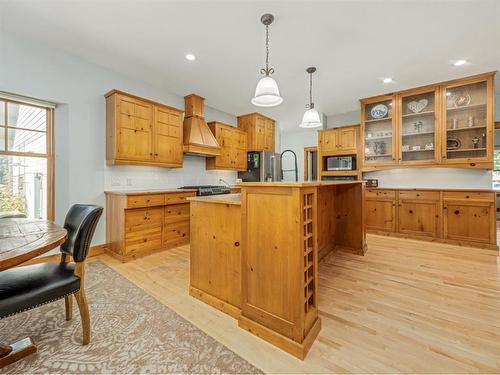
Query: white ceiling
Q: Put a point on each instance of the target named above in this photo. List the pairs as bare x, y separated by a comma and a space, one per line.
352, 43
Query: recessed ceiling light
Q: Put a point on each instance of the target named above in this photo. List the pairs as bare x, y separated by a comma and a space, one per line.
190, 57
460, 62
387, 80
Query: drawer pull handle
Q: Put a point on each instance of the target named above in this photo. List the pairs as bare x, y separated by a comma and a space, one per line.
457, 212
237, 244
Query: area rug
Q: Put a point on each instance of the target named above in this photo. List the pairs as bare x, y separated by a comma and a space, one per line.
131, 333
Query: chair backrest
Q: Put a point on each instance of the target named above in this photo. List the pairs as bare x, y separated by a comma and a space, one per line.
80, 223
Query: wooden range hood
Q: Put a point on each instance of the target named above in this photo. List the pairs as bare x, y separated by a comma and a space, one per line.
198, 138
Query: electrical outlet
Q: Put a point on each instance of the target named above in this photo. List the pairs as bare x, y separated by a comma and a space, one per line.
115, 181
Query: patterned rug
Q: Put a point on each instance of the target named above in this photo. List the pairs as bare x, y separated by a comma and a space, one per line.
131, 333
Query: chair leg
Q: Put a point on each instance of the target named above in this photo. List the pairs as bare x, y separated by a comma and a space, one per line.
84, 314
68, 303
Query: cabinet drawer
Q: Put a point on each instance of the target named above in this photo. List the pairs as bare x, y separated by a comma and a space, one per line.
178, 197
143, 240
374, 193
177, 212
145, 200
419, 195
144, 217
469, 196
176, 233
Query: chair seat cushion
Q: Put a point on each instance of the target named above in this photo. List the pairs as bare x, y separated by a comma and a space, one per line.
23, 288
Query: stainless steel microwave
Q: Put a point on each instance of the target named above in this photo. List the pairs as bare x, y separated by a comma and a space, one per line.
340, 163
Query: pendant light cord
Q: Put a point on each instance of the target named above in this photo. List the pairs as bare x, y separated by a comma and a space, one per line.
311, 104
267, 71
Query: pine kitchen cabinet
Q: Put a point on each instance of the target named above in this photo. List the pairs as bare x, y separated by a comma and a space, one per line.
447, 124
462, 217
260, 131
139, 223
142, 132
233, 144
255, 256
339, 141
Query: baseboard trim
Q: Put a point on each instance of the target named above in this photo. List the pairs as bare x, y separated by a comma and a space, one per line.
93, 251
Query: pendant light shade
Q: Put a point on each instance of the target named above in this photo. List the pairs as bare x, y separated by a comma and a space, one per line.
311, 118
267, 93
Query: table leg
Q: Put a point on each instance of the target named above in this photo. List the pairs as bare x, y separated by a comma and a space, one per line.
16, 351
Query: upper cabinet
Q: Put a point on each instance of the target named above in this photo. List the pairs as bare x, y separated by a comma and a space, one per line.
468, 121
418, 137
233, 144
450, 123
379, 131
142, 132
339, 141
260, 131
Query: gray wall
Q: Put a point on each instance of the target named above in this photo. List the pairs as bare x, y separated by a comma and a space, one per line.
81, 175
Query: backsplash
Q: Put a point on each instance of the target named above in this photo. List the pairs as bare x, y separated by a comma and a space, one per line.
124, 177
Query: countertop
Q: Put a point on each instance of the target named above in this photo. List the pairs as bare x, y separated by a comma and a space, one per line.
299, 184
220, 198
481, 190
150, 191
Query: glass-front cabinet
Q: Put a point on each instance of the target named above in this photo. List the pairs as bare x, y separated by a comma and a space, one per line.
468, 121
378, 130
449, 123
417, 126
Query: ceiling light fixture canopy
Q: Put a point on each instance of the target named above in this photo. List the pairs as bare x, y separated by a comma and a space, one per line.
311, 118
267, 93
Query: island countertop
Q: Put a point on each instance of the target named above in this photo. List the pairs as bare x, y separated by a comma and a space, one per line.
299, 184
219, 198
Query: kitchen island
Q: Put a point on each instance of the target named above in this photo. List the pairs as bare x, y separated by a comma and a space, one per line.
256, 257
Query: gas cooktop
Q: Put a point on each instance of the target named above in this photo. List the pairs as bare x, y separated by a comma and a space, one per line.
203, 190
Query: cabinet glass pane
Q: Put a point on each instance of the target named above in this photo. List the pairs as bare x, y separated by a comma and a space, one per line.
378, 132
418, 127
466, 121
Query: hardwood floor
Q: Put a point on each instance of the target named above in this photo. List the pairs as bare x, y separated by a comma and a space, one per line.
406, 306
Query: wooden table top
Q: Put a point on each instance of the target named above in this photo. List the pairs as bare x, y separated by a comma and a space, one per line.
23, 239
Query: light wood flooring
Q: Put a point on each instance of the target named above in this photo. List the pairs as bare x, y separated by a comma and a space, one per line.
406, 306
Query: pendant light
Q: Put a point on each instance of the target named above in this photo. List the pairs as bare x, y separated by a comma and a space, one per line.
267, 93
311, 118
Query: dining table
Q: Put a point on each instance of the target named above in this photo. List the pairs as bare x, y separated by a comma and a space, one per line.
22, 239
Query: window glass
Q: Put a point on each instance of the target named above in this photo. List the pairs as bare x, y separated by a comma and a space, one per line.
26, 117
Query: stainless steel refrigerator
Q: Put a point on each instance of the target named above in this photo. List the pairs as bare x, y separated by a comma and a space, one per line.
261, 166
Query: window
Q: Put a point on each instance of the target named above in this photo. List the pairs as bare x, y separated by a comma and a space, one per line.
496, 168
26, 159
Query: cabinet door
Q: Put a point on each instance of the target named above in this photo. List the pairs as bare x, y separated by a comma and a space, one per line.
380, 215
134, 138
269, 135
468, 121
328, 141
347, 140
260, 131
378, 129
418, 133
240, 150
419, 218
225, 139
467, 221
167, 136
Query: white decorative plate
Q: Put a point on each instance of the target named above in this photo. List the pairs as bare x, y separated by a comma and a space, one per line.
418, 106
379, 111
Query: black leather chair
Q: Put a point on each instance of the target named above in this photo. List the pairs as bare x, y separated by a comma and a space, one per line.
27, 287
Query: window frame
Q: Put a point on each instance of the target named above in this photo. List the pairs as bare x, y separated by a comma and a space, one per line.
49, 155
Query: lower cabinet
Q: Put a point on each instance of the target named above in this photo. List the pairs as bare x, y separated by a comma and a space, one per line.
419, 213
470, 217
139, 224
460, 217
380, 210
